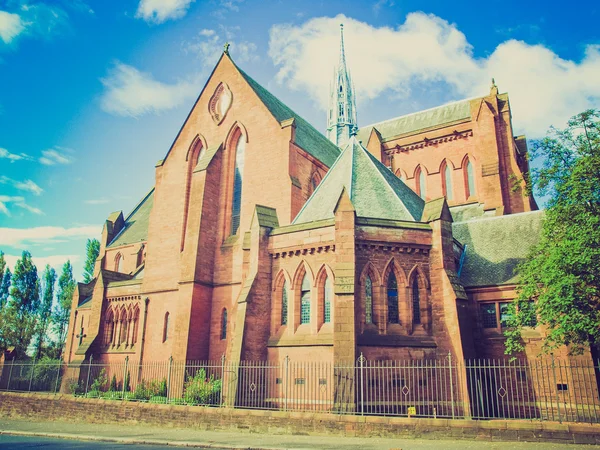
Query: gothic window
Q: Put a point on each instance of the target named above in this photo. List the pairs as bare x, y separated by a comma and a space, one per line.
305, 300
341, 90
488, 315
284, 304
341, 110
166, 328
314, 182
327, 297
469, 179
109, 326
416, 301
236, 203
124, 323
192, 160
392, 299
136, 320
224, 324
420, 182
447, 181
368, 300
119, 263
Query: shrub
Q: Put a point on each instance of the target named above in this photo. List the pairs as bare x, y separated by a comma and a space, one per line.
100, 382
126, 382
201, 390
113, 384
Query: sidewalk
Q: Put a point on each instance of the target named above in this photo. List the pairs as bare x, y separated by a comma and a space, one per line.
138, 434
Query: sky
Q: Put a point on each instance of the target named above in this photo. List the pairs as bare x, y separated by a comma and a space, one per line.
92, 93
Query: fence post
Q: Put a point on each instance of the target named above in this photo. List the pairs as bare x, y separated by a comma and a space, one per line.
556, 389
88, 375
451, 383
12, 363
361, 361
223, 380
285, 391
31, 375
59, 366
169, 377
125, 378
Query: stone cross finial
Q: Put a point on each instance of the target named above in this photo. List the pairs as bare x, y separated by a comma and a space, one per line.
226, 48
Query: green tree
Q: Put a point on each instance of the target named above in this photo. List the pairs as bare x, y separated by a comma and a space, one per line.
21, 312
92, 249
560, 279
62, 311
45, 311
5, 283
2, 265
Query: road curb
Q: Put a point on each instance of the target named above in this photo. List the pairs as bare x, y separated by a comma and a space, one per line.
126, 440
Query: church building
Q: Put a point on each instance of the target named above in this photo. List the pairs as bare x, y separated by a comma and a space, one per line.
263, 239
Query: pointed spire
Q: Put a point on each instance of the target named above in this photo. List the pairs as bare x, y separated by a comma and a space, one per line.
342, 51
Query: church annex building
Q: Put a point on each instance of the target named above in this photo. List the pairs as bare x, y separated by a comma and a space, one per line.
263, 239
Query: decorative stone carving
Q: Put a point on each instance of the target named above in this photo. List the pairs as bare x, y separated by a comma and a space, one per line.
220, 102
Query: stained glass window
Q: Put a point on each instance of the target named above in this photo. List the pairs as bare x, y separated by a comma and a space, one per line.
392, 298
328, 296
422, 186
448, 182
166, 328
236, 204
305, 300
470, 180
416, 301
505, 313
284, 304
368, 300
224, 324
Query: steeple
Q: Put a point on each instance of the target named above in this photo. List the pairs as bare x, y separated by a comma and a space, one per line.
341, 116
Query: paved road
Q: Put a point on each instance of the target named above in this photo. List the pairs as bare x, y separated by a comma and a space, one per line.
134, 436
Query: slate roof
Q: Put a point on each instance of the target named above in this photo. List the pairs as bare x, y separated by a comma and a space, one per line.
495, 246
307, 137
374, 191
136, 224
419, 121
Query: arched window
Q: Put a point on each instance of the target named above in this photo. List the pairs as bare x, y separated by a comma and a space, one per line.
416, 302
109, 326
192, 159
135, 323
119, 263
305, 300
368, 300
420, 181
328, 294
141, 255
392, 299
469, 179
314, 182
166, 328
224, 324
124, 324
284, 304
447, 181
236, 201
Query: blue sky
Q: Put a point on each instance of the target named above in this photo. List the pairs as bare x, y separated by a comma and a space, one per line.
92, 93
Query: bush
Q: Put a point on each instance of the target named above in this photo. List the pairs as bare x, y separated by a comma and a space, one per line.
201, 390
100, 382
113, 384
126, 382
142, 391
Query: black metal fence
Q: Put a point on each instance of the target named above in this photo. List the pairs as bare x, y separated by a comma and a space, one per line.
557, 390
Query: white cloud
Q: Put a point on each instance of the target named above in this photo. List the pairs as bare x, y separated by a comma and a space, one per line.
380, 4
208, 45
5, 199
158, 11
27, 185
31, 209
21, 237
226, 6
56, 155
428, 51
12, 157
129, 92
11, 26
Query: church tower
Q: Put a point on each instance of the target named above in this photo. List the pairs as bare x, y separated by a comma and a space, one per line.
341, 117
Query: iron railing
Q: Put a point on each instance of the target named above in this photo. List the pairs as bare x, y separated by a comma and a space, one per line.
557, 390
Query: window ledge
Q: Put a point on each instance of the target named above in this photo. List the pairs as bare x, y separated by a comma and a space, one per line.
394, 340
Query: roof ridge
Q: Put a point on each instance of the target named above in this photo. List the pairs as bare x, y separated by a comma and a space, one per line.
139, 204
421, 111
504, 216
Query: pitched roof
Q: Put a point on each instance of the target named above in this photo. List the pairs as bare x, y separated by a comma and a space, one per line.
374, 191
419, 121
136, 224
307, 137
496, 245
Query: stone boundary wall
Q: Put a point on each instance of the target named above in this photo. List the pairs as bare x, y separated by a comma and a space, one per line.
42, 407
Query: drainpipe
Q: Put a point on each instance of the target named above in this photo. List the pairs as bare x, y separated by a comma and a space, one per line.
462, 260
